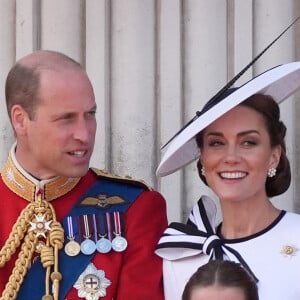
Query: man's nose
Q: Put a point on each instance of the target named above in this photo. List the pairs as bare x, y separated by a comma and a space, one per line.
82, 131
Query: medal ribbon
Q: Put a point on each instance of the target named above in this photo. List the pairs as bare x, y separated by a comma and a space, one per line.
95, 227
86, 227
117, 223
109, 225
71, 227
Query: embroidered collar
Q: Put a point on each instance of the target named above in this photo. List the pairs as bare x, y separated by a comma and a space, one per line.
26, 186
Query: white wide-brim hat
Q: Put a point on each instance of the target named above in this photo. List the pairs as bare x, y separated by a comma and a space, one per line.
279, 82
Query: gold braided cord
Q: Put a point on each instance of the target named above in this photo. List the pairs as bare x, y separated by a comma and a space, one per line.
57, 241
29, 237
47, 259
17, 234
47, 256
21, 266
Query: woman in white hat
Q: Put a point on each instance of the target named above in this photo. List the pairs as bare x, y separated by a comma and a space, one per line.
239, 141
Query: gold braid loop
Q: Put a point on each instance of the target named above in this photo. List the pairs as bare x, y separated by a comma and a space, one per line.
56, 239
47, 256
56, 235
17, 234
21, 266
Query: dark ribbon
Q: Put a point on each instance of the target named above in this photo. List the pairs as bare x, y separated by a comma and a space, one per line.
196, 237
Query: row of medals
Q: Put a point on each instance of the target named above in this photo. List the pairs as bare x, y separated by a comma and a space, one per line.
103, 245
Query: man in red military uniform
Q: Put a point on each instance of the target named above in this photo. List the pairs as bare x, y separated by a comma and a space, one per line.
67, 231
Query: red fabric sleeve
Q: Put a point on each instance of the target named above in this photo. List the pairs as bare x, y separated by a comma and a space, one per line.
141, 273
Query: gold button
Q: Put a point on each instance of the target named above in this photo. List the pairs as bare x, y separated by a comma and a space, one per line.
288, 250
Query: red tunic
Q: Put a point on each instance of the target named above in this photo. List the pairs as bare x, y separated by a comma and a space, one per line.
135, 273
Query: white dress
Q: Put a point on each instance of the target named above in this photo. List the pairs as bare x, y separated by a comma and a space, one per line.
272, 255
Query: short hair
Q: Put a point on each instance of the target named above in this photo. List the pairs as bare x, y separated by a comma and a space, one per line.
224, 274
269, 110
23, 80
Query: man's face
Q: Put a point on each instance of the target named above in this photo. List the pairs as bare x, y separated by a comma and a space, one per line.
59, 140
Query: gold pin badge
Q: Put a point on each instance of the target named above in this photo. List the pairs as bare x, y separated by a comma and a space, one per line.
288, 250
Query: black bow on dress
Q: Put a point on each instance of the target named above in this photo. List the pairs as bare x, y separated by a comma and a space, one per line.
198, 236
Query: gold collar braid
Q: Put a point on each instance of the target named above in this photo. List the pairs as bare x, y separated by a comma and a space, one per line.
36, 229
26, 186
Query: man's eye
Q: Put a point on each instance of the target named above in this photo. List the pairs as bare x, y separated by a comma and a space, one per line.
91, 114
66, 117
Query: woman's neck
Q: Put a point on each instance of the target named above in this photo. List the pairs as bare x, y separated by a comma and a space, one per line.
241, 220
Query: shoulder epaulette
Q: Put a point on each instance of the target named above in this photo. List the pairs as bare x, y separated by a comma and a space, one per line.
127, 179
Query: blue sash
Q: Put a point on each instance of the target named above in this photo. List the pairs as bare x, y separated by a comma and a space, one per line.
33, 287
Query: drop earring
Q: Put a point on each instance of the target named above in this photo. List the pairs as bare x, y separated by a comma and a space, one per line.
271, 172
203, 171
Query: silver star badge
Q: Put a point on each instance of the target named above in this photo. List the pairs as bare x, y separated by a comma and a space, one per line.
92, 283
40, 226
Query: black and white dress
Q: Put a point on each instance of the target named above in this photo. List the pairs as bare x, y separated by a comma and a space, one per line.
272, 255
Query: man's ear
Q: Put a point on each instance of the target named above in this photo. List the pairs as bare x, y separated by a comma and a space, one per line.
19, 119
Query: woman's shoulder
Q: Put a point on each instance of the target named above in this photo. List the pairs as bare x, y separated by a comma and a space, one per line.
292, 217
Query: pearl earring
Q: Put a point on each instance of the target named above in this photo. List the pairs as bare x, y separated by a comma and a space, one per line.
271, 172
203, 171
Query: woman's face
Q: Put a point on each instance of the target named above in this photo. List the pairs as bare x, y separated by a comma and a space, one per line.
217, 293
237, 154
